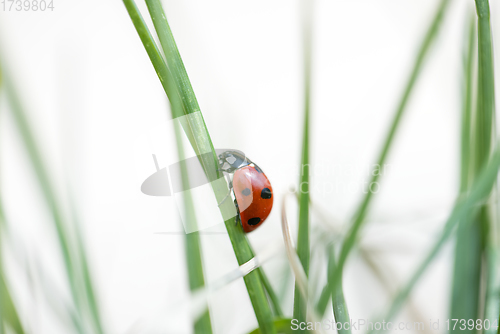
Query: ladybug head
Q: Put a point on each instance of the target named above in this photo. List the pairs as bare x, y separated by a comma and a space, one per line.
232, 159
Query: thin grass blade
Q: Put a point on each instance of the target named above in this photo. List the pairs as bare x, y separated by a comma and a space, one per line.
303, 247
273, 298
339, 305
298, 270
485, 126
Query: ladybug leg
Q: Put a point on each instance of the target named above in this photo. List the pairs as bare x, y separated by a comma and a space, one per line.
238, 217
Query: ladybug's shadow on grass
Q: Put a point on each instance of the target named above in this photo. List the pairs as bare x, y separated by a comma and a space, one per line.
168, 180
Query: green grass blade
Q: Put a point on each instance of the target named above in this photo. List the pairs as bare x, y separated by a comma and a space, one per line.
202, 144
339, 305
485, 123
340, 310
466, 144
287, 282
323, 299
467, 271
196, 278
485, 105
151, 48
466, 205
468, 251
273, 298
293, 259
492, 298
303, 247
173, 57
359, 216
253, 283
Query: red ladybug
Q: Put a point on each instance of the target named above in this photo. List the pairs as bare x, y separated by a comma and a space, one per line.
252, 190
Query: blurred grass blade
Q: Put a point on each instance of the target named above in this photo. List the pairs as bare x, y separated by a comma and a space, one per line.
86, 276
339, 305
297, 269
287, 282
466, 284
303, 247
466, 205
8, 312
466, 142
72, 262
202, 325
43, 178
359, 216
282, 326
194, 265
9, 316
202, 143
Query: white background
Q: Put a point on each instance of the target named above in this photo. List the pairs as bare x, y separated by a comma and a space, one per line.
91, 92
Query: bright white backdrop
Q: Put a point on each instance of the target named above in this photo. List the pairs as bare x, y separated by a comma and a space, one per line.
91, 92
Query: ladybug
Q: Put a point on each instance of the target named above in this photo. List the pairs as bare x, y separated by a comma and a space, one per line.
251, 188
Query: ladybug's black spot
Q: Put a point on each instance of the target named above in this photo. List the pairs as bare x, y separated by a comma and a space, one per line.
266, 193
254, 221
246, 192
